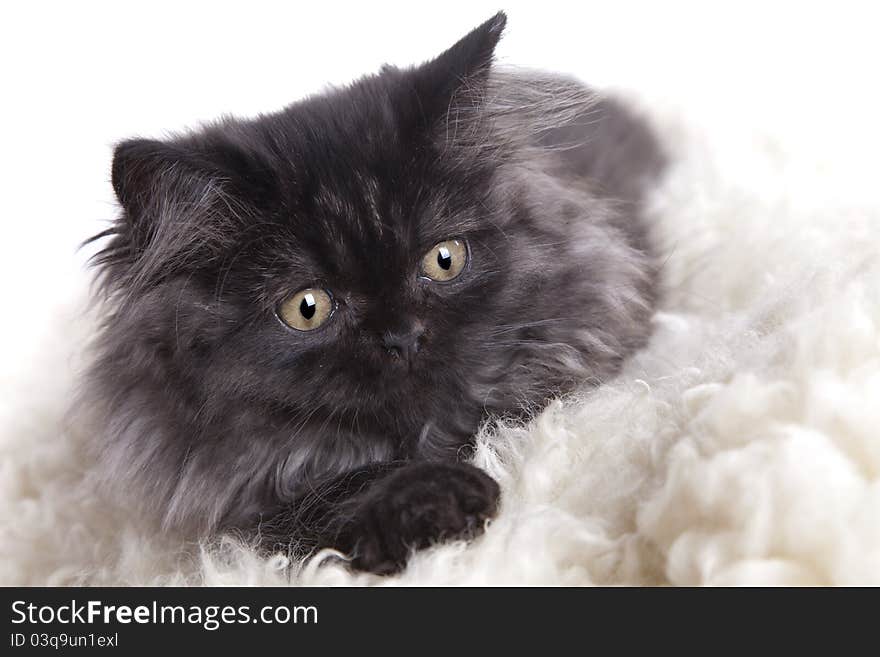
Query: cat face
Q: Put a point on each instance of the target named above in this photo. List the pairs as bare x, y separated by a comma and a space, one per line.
362, 285
316, 248
363, 276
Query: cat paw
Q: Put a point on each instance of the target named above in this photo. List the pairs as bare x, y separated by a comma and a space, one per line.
417, 506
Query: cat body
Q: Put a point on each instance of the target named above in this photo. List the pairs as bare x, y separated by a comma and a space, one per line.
281, 354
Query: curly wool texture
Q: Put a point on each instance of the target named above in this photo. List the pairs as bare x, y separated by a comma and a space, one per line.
740, 447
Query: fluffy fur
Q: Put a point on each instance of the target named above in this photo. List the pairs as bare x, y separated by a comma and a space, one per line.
739, 447
211, 415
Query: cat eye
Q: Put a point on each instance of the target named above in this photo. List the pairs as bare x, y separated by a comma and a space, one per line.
445, 260
307, 309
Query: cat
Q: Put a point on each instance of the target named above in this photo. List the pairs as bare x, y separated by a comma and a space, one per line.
308, 315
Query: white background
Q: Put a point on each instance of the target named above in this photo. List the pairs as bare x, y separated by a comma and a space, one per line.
78, 76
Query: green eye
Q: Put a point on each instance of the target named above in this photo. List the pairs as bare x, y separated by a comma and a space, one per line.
307, 309
445, 260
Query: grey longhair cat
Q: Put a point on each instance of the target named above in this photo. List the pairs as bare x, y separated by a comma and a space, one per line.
308, 315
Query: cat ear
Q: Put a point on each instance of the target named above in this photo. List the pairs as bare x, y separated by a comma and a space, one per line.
146, 171
465, 66
179, 207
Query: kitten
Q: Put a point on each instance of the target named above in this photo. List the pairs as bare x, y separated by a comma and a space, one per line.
309, 314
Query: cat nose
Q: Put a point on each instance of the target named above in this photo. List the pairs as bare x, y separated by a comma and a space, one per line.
404, 344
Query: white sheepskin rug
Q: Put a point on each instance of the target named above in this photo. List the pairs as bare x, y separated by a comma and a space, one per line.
742, 446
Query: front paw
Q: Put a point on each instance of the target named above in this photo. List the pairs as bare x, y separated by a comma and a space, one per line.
420, 504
